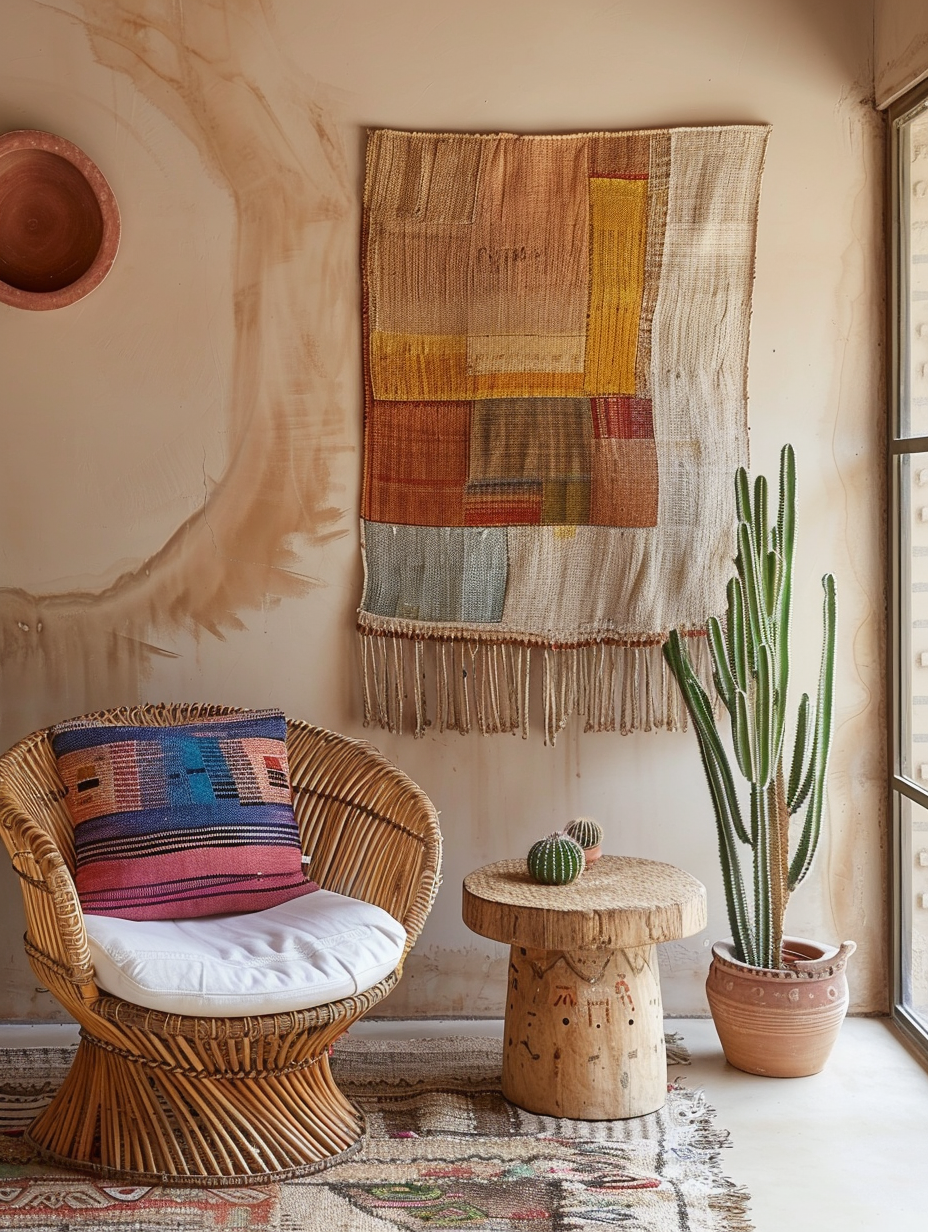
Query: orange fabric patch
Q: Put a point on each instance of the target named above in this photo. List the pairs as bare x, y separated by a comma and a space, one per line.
624, 483
416, 462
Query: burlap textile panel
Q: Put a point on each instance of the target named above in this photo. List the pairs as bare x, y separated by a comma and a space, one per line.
555, 361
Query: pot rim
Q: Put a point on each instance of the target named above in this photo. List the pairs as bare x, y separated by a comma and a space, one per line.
831, 961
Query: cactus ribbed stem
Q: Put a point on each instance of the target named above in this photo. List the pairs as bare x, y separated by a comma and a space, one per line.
778, 816
585, 831
556, 860
751, 669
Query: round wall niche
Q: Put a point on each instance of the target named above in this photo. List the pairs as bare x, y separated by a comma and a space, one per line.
59, 221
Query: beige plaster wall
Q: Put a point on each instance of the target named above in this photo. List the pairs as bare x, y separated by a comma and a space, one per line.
179, 472
900, 51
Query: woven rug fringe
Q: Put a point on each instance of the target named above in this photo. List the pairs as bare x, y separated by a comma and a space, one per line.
486, 686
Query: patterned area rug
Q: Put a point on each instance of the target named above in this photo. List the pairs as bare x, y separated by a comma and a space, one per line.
444, 1150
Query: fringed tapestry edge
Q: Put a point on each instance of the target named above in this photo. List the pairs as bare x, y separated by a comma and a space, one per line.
465, 683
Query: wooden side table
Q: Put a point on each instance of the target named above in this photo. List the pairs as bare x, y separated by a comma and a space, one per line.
584, 1034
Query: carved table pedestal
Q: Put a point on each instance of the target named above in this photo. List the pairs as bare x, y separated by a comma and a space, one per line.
584, 1033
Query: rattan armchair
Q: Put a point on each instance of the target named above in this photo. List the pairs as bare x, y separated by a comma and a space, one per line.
157, 1097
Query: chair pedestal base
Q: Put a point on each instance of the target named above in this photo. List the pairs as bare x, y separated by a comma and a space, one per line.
175, 1120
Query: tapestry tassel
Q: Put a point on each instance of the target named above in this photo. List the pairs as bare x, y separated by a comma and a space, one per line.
487, 685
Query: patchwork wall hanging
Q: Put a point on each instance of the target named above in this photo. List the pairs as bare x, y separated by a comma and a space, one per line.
555, 361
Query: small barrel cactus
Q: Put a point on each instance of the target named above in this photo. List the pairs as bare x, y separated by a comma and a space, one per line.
556, 860
589, 834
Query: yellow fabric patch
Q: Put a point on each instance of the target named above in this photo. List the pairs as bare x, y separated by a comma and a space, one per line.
433, 368
618, 242
419, 367
566, 502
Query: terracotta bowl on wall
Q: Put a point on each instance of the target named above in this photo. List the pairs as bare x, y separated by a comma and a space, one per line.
59, 221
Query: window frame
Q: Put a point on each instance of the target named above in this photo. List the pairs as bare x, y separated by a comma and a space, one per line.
900, 786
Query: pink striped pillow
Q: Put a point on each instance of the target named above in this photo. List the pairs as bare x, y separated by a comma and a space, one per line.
176, 822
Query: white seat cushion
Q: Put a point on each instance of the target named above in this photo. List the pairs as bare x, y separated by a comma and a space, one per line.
301, 953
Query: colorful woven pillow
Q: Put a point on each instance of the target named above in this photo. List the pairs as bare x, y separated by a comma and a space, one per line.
176, 822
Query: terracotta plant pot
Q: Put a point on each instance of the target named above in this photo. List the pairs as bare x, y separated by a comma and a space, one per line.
593, 853
780, 1023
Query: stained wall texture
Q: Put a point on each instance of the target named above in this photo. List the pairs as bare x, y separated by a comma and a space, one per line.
900, 47
179, 476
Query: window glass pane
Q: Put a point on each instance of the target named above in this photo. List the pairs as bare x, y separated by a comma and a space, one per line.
914, 908
913, 616
913, 276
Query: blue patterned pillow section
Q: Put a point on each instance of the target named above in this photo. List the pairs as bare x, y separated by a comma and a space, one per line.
177, 822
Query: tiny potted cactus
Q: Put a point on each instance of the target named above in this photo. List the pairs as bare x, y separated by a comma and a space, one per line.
589, 834
777, 1001
556, 860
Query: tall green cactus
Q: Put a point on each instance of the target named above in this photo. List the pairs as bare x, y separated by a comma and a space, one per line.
751, 670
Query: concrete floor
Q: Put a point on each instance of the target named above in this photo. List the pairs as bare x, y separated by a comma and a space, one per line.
844, 1151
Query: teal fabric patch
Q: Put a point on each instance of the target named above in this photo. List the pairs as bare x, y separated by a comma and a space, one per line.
436, 573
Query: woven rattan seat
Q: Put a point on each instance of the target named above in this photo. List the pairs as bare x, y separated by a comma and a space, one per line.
153, 1096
